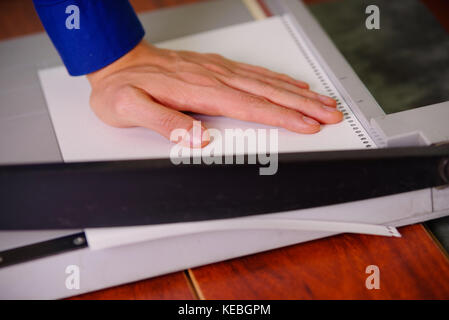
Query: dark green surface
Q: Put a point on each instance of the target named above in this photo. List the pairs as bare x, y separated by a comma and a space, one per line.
440, 229
405, 64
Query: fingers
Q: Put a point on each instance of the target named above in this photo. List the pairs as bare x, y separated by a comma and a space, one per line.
137, 108
259, 70
279, 96
268, 73
225, 67
222, 66
287, 86
239, 105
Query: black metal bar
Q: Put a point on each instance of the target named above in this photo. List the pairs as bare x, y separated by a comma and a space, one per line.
125, 193
42, 249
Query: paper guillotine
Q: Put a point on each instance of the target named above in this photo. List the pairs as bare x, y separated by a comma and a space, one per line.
39, 239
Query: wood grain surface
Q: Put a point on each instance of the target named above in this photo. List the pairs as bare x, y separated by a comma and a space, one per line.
411, 267
173, 286
333, 268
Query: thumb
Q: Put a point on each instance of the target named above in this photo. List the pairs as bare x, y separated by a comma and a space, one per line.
141, 110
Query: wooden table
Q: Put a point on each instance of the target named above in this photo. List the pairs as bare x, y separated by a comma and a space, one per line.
411, 267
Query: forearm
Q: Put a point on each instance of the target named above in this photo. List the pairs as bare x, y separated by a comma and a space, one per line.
107, 31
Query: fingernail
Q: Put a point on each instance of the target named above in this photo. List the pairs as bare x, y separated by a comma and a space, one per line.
310, 121
325, 99
196, 137
330, 109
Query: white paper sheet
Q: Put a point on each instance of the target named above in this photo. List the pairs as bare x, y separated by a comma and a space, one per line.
83, 137
102, 238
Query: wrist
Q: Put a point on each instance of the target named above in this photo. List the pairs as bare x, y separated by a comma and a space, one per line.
132, 58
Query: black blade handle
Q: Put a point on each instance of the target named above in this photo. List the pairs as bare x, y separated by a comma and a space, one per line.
126, 193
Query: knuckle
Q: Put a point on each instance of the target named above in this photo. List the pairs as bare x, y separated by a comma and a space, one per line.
216, 68
270, 89
199, 78
168, 120
204, 79
122, 102
267, 88
283, 76
173, 54
309, 102
253, 99
261, 69
214, 55
183, 65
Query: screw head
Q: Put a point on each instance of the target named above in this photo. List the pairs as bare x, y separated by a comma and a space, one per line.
79, 241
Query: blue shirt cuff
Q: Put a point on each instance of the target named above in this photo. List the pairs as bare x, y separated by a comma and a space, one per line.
106, 31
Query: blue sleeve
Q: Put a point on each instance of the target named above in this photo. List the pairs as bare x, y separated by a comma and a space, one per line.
104, 31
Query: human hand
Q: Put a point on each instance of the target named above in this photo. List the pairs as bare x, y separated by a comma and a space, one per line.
151, 87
